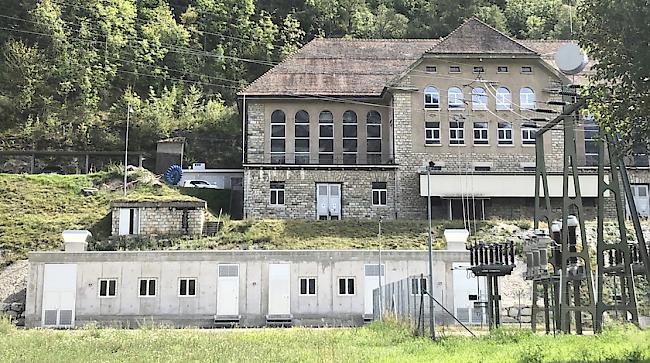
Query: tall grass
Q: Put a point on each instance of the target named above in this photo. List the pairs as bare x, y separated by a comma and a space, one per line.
379, 342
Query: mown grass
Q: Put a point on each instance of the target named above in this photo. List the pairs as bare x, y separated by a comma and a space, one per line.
379, 342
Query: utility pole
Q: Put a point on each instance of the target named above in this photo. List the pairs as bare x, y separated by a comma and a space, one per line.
432, 322
380, 272
126, 144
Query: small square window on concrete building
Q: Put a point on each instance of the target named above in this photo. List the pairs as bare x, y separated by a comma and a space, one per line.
180, 217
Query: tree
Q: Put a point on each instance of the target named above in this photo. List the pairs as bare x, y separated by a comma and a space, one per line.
615, 34
493, 15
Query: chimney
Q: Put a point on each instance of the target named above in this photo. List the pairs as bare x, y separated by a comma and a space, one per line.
76, 240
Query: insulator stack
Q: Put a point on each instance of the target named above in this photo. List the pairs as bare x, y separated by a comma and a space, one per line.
536, 248
491, 253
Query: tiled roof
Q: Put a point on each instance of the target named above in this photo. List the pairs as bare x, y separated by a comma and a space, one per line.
547, 50
331, 67
476, 37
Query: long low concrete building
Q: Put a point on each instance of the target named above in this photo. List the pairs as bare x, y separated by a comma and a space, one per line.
211, 288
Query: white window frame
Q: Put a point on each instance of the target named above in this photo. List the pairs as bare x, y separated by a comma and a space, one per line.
505, 131
454, 102
504, 99
526, 69
527, 99
148, 279
281, 154
432, 133
322, 124
379, 191
430, 93
478, 69
354, 124
276, 191
528, 136
307, 279
455, 69
298, 155
374, 154
187, 287
484, 133
107, 280
455, 132
479, 100
347, 285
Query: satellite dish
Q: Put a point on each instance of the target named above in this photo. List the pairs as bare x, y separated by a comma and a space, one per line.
570, 59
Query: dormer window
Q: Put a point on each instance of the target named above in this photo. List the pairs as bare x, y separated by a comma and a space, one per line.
454, 69
431, 69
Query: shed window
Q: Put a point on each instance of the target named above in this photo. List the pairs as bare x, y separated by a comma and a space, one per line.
187, 287
346, 286
308, 286
147, 287
107, 287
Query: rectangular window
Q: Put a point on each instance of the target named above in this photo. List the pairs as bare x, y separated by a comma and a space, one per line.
379, 193
480, 133
482, 168
431, 69
346, 286
107, 287
349, 143
432, 133
591, 141
308, 286
278, 133
418, 285
504, 133
302, 142
277, 193
326, 144
502, 69
528, 136
526, 69
454, 69
457, 133
187, 287
478, 69
147, 287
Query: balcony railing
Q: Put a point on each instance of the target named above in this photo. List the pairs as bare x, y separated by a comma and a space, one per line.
320, 159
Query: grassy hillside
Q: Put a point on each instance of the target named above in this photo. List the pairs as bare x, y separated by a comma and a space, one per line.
379, 342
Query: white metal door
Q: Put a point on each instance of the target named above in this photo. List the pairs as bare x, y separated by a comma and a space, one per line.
371, 282
641, 200
328, 201
124, 221
59, 293
465, 285
279, 289
228, 290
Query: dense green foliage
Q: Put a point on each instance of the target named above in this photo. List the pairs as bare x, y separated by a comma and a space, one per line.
379, 342
68, 68
616, 36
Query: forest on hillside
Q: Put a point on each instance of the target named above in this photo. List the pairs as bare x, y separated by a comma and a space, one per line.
69, 68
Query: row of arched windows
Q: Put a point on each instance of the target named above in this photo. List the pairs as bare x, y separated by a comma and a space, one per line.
456, 98
325, 138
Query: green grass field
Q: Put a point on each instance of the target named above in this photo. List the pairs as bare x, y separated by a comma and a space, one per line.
375, 343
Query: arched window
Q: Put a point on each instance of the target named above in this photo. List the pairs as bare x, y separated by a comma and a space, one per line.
302, 137
349, 137
278, 132
526, 99
455, 99
373, 130
504, 99
479, 99
326, 138
431, 98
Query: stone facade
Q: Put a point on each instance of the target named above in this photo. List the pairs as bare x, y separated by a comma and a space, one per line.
163, 218
300, 192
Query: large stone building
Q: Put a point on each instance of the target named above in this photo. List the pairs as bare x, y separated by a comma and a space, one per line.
344, 127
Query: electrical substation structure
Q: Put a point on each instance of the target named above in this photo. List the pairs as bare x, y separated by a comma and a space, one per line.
569, 290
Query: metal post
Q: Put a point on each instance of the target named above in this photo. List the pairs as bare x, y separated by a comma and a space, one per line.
490, 309
432, 323
379, 268
126, 144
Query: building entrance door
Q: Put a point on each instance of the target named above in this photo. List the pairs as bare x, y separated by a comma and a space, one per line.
328, 201
641, 200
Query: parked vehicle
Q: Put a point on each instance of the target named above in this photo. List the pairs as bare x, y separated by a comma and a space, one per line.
199, 184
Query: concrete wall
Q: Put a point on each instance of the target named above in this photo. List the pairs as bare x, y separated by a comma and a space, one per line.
163, 218
326, 308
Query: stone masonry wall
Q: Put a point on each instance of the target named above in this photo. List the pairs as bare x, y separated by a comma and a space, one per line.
300, 192
165, 221
255, 132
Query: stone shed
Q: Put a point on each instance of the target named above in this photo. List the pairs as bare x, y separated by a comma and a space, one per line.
158, 217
